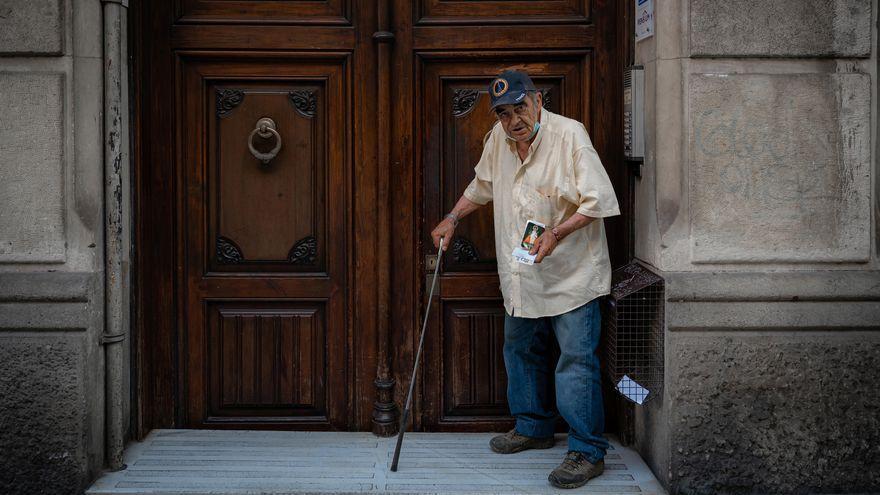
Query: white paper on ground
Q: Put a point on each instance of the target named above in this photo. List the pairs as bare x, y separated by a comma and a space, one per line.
632, 390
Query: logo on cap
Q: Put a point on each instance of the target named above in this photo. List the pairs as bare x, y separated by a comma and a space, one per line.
499, 87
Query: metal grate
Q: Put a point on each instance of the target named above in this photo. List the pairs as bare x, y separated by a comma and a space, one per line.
633, 333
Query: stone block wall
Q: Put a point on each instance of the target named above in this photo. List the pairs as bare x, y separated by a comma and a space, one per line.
774, 412
780, 167
758, 204
51, 286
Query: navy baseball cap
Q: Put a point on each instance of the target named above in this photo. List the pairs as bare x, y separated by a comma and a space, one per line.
510, 87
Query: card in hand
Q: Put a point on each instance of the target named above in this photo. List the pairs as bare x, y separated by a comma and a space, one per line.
530, 236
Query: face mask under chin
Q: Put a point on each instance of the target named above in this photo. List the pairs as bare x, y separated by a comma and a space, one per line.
534, 131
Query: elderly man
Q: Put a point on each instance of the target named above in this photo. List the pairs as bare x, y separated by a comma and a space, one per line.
540, 167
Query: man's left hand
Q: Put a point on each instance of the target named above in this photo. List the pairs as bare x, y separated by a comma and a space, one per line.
544, 246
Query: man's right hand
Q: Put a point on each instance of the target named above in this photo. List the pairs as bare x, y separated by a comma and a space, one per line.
444, 229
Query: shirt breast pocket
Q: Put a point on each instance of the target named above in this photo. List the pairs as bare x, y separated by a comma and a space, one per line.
540, 205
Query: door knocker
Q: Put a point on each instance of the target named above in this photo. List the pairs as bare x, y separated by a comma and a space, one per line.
266, 129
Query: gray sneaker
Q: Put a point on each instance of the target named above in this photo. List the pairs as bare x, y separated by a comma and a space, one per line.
575, 471
512, 442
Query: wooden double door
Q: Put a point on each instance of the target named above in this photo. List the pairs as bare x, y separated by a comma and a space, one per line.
292, 157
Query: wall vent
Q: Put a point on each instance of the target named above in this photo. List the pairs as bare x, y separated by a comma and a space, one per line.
633, 333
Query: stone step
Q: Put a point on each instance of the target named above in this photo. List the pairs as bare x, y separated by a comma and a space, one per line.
216, 462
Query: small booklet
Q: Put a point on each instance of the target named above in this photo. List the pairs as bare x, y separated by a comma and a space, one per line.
530, 235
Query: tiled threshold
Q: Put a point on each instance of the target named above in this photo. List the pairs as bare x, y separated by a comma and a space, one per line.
273, 462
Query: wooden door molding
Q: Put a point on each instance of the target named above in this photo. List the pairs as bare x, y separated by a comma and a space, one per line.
264, 12
499, 12
385, 411
269, 360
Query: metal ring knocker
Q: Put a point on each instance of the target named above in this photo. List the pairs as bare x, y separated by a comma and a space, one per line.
266, 129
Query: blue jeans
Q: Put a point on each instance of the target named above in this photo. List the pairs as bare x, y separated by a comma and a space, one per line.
530, 377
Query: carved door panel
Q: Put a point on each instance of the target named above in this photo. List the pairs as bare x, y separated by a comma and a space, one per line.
265, 254
570, 50
258, 127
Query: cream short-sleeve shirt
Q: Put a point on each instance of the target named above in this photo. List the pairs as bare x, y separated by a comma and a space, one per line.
561, 175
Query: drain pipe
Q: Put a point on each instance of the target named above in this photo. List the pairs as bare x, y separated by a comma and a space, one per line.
116, 226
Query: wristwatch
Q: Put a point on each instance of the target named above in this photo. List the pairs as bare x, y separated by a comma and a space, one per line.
454, 218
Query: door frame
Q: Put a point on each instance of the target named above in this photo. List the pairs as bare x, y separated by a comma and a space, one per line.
154, 325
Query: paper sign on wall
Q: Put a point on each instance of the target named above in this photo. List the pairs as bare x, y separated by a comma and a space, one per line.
644, 19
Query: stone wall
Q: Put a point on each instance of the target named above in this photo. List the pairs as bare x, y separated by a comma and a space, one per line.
775, 412
758, 204
51, 287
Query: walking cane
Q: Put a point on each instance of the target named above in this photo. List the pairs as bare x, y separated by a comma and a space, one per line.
412, 382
